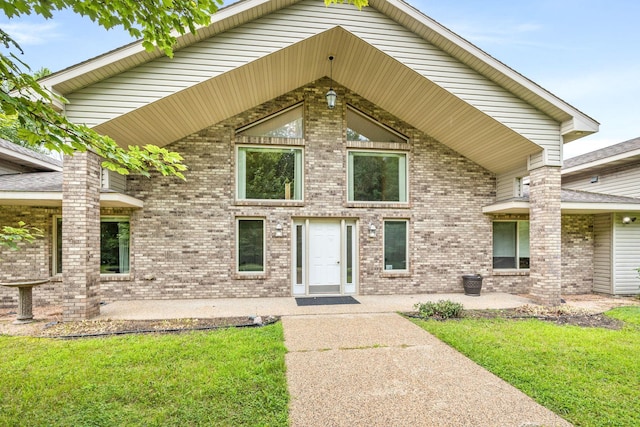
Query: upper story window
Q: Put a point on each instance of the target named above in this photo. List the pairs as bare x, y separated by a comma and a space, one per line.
269, 173
361, 127
377, 176
285, 124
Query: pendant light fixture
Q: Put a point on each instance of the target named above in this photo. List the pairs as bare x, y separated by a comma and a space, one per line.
331, 96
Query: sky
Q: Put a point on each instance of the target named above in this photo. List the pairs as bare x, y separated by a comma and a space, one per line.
586, 52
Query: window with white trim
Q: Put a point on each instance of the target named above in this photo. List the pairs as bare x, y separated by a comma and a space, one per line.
361, 127
250, 245
396, 244
377, 176
511, 245
269, 173
115, 241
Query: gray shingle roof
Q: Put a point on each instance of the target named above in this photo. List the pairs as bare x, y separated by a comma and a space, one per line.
30, 153
33, 181
577, 196
603, 153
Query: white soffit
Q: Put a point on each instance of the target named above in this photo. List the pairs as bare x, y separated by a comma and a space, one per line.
409, 96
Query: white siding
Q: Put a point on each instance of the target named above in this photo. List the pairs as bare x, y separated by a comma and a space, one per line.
602, 231
623, 181
114, 181
505, 183
626, 255
210, 58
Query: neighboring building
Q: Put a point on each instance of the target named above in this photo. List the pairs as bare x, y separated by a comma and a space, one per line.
413, 179
614, 171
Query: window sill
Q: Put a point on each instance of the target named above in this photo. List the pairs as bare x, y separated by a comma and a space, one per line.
115, 277
249, 276
295, 203
510, 272
396, 273
380, 205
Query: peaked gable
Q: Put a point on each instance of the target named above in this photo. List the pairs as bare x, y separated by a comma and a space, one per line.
165, 99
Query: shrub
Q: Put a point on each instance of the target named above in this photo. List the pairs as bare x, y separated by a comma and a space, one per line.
443, 309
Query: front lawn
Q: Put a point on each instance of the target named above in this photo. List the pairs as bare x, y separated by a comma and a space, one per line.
589, 376
229, 377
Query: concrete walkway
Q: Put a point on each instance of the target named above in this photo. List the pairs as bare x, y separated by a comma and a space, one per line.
235, 307
382, 370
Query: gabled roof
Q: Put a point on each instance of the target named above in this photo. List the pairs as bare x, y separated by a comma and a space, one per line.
25, 157
219, 84
612, 156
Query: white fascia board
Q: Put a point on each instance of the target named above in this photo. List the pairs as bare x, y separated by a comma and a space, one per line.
511, 207
119, 200
522, 207
31, 198
54, 198
25, 159
601, 162
593, 208
496, 64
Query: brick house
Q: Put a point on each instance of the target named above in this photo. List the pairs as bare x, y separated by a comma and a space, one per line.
415, 177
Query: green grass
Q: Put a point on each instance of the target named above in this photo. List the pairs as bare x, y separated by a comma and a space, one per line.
589, 376
229, 377
629, 314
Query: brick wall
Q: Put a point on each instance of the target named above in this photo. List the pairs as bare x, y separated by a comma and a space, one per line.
30, 261
546, 231
577, 254
184, 238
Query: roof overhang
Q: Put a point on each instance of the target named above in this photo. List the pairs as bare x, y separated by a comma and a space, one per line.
608, 162
408, 96
54, 199
522, 207
31, 161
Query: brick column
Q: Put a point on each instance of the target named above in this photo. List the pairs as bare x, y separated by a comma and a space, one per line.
545, 235
81, 236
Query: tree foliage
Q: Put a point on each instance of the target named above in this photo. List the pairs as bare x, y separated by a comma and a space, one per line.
10, 237
358, 3
39, 123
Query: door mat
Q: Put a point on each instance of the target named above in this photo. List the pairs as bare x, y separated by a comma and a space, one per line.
325, 301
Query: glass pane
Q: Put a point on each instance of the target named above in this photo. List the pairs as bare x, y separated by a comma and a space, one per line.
349, 252
288, 124
299, 246
395, 245
251, 245
268, 174
363, 128
504, 244
114, 247
377, 177
523, 244
58, 246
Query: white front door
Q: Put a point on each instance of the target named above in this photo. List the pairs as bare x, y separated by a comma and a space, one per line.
324, 257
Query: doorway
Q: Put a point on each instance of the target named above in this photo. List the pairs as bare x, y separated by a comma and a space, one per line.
324, 257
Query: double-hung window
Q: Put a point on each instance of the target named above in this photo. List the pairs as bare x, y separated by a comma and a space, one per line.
511, 244
269, 173
114, 245
377, 176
